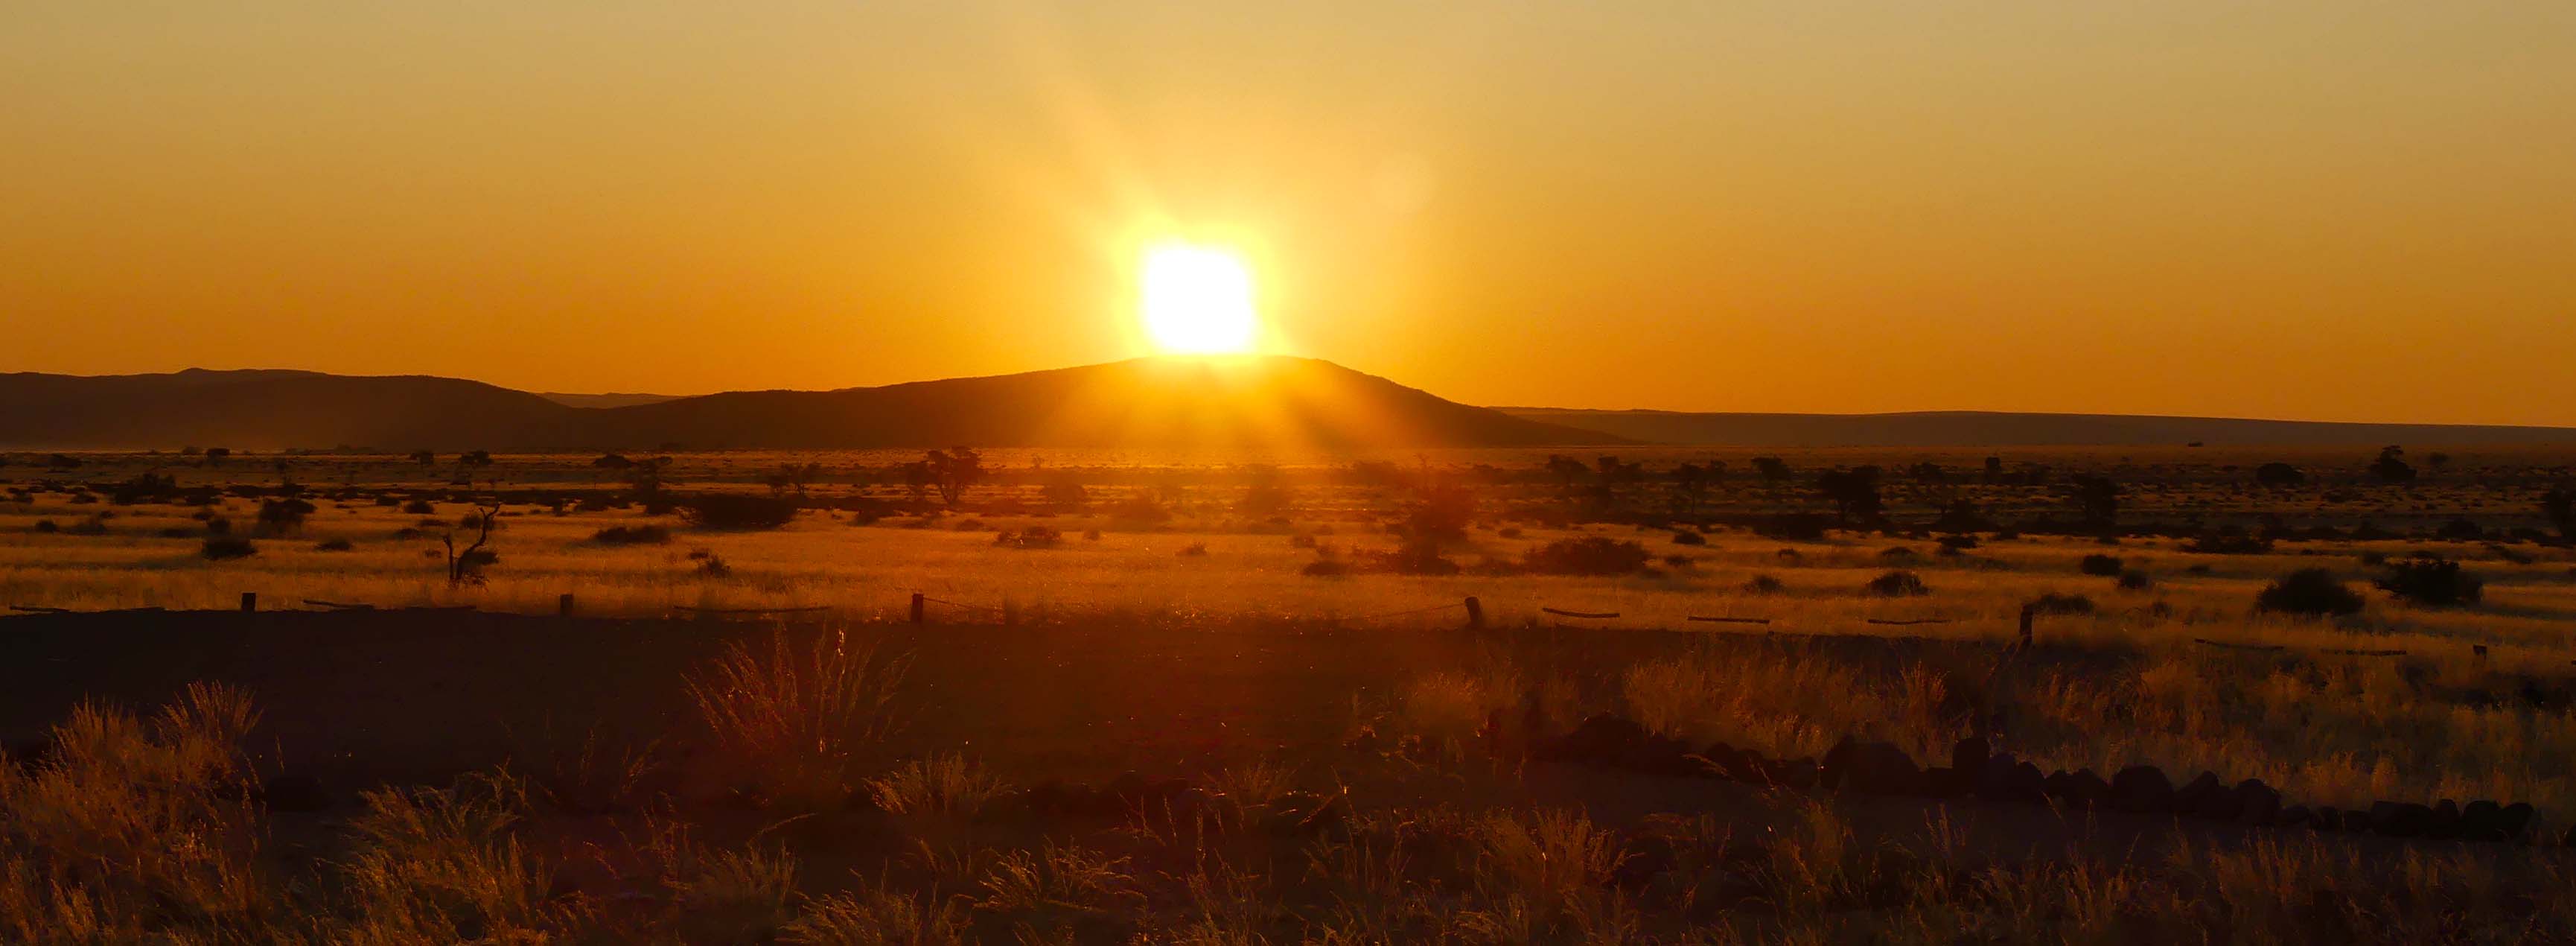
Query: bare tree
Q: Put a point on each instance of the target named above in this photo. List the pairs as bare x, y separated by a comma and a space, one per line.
466, 566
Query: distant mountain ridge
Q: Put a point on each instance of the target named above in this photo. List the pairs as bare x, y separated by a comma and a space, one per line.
1258, 401
1266, 401
2005, 428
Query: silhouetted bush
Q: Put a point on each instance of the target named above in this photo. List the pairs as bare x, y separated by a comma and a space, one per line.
48, 526
2460, 529
334, 545
2135, 581
2431, 581
1326, 568
220, 547
1033, 537
1591, 555
1794, 527
419, 507
2229, 541
2309, 592
283, 516
1139, 508
1689, 538
632, 535
1896, 584
737, 511
2279, 476
2054, 603
1763, 585
2103, 565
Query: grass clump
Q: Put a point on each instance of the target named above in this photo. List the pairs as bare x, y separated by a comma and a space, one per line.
633, 535
2431, 581
218, 548
1896, 584
794, 717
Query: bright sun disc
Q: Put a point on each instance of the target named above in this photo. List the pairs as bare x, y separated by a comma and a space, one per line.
1197, 300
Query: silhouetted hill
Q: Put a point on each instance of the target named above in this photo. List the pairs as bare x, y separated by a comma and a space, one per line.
268, 410
1146, 402
1252, 401
611, 399
1990, 428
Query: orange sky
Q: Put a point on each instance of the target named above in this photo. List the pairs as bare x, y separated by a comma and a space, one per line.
2335, 209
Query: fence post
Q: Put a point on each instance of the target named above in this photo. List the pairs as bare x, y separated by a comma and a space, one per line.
250, 601
563, 605
2026, 614
1010, 612
2481, 651
1475, 613
916, 607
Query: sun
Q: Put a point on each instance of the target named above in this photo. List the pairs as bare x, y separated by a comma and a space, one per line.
1197, 300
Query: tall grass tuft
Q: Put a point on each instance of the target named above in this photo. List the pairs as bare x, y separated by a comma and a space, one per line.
794, 717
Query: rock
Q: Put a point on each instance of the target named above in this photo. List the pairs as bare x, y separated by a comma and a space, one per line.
2329, 818
2295, 816
2256, 803
294, 793
2356, 821
1598, 740
1942, 782
2088, 790
2194, 796
1720, 760
2446, 820
1800, 773
2026, 785
2481, 820
1655, 755
1871, 768
1992, 778
2142, 789
2400, 819
1969, 756
2516, 819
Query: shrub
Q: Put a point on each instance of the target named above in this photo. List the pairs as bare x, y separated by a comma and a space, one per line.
1326, 568
2308, 592
2431, 581
1763, 585
419, 507
1033, 537
1591, 555
1794, 527
738, 511
1689, 538
1896, 584
2229, 541
220, 547
48, 526
2054, 603
2134, 580
283, 516
1139, 509
1194, 550
632, 535
2103, 565
334, 545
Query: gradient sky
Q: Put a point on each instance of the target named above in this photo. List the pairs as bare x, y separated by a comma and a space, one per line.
2332, 209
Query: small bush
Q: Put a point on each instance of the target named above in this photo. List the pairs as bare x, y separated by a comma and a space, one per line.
632, 535
738, 511
1689, 538
1896, 584
2134, 580
2103, 565
1591, 555
334, 545
221, 547
2431, 581
283, 516
419, 507
2308, 592
2053, 603
1763, 585
1194, 550
1326, 568
48, 526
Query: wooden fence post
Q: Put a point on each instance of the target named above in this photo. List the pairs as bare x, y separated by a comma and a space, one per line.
2481, 651
2027, 612
1475, 613
916, 607
563, 605
250, 601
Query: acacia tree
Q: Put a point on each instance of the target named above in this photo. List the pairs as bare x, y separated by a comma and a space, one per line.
2391, 467
467, 565
2097, 499
953, 470
1855, 494
2559, 507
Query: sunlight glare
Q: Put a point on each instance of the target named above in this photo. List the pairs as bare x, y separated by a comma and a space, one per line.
1198, 300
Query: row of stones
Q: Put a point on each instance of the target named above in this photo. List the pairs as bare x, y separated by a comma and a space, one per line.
1879, 768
